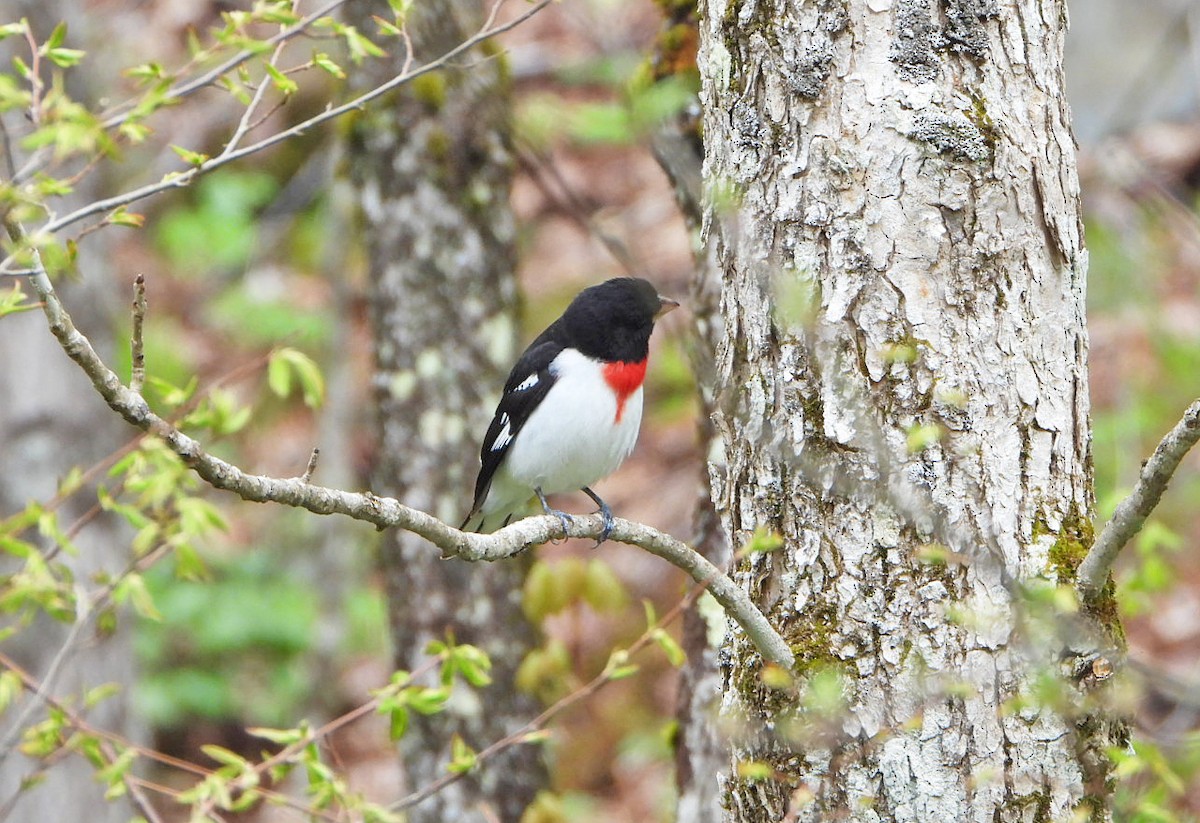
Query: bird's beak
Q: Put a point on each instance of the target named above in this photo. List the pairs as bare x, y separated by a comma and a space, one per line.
664, 306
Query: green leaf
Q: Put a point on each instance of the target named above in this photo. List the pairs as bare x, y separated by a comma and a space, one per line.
133, 588
603, 590
172, 396
146, 71
286, 85
288, 362
281, 737
360, 46
398, 719
13, 95
400, 8
279, 376
13, 301
13, 29
387, 29
323, 61
473, 664
226, 757
100, 693
923, 436
56, 38
651, 614
113, 775
462, 756
124, 217
46, 186
622, 672
426, 700
674, 652
192, 158
763, 541
65, 58
10, 687
135, 133
276, 12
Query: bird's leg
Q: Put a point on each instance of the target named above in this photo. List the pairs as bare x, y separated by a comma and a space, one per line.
563, 517
605, 512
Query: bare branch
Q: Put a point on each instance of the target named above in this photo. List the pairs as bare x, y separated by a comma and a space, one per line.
204, 80
1127, 520
17, 726
386, 512
246, 122
184, 178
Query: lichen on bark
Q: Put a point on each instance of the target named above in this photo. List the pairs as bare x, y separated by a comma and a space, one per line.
920, 400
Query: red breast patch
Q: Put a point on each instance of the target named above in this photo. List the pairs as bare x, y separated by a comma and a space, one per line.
624, 379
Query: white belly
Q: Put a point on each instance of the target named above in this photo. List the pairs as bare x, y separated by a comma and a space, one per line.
574, 438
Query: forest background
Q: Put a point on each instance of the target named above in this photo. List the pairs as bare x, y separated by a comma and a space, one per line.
279, 617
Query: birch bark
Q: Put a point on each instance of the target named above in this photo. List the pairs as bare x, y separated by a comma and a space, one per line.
433, 169
894, 204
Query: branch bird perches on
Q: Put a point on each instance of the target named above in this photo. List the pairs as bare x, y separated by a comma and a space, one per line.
385, 512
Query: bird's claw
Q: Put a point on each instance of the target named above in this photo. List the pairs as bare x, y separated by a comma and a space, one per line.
605, 513
563, 518
609, 524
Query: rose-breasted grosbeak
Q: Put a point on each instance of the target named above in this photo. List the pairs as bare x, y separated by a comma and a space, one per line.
572, 405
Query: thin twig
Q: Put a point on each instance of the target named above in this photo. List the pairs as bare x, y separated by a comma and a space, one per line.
82, 617
1127, 520
539, 722
109, 739
184, 178
244, 123
10, 165
137, 370
547, 176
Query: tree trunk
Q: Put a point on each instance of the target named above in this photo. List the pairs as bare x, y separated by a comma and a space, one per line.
433, 170
902, 389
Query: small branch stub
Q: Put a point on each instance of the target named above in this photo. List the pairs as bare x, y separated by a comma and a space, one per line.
311, 469
137, 372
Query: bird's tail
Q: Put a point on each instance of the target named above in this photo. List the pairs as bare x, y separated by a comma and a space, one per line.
486, 522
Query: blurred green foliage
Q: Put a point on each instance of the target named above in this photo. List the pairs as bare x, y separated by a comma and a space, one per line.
1134, 280
233, 647
218, 229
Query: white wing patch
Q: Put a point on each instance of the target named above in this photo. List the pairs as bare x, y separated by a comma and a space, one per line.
505, 436
528, 383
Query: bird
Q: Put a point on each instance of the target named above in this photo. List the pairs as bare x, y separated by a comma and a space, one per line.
571, 407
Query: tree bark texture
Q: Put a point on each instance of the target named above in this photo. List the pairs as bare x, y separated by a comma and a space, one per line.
894, 203
433, 169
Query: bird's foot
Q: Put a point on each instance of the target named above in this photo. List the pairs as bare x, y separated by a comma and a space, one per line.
563, 517
605, 513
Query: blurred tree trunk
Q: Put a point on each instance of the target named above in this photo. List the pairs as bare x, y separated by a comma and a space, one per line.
902, 379
50, 421
433, 170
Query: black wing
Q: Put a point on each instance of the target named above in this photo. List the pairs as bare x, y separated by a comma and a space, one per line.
527, 384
